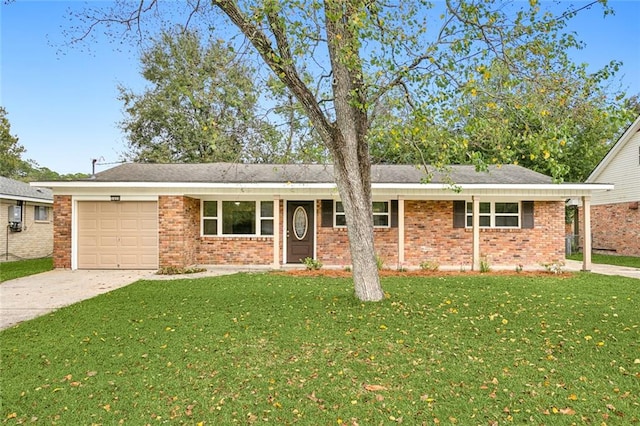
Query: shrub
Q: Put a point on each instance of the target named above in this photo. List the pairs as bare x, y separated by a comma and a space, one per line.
429, 265
312, 264
554, 267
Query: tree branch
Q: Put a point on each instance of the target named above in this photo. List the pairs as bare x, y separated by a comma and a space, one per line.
284, 69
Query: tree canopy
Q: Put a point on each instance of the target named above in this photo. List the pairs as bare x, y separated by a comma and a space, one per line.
200, 105
10, 149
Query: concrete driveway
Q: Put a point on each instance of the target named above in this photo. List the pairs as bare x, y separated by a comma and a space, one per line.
30, 297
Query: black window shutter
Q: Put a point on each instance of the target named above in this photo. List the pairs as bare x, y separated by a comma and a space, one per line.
394, 213
326, 208
459, 214
527, 214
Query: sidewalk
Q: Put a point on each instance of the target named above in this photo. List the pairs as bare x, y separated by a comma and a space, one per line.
574, 266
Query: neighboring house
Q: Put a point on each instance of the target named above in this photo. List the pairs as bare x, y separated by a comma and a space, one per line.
27, 214
177, 215
615, 215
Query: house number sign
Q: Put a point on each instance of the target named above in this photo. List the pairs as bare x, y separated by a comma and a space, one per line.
300, 222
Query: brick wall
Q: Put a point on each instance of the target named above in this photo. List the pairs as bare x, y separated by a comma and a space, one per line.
615, 229
34, 241
178, 230
236, 251
332, 245
62, 231
430, 236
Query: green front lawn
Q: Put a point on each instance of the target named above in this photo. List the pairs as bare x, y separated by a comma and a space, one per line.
23, 268
632, 262
254, 348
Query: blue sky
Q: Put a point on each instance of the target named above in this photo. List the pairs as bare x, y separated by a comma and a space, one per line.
62, 102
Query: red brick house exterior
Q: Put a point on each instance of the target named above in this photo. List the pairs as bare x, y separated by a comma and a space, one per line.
615, 216
272, 216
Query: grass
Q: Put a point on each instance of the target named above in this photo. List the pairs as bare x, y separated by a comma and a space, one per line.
254, 348
23, 268
630, 261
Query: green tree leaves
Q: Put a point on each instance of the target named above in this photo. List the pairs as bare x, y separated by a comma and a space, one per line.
200, 105
10, 150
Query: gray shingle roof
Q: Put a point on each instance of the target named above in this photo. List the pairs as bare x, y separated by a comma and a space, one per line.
10, 188
310, 173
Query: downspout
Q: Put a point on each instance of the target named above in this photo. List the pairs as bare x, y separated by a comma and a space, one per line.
586, 228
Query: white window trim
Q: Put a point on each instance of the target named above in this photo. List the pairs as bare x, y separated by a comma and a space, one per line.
387, 214
492, 215
218, 218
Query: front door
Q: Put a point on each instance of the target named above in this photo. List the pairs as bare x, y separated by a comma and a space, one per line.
300, 230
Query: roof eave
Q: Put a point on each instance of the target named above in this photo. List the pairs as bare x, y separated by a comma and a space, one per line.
27, 199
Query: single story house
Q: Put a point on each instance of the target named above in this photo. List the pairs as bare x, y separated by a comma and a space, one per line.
615, 214
178, 215
26, 212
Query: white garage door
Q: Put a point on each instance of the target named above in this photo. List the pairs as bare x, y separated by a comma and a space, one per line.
117, 235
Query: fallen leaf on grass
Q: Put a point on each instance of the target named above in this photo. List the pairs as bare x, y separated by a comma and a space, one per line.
374, 388
567, 411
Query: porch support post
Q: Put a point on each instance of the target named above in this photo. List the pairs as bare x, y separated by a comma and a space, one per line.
586, 230
400, 231
475, 254
276, 232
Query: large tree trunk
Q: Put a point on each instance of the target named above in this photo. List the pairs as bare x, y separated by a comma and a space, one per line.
349, 147
346, 137
354, 186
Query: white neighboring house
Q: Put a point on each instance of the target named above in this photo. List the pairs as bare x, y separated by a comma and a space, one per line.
27, 215
615, 214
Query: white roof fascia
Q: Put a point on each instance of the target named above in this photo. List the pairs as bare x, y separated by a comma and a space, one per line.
439, 189
631, 130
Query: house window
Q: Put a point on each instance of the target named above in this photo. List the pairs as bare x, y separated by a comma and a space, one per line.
210, 218
237, 217
495, 215
41, 213
381, 214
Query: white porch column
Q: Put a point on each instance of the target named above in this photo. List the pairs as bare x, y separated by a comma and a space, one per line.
476, 234
276, 232
400, 231
586, 231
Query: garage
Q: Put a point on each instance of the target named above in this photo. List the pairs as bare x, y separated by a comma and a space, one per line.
117, 235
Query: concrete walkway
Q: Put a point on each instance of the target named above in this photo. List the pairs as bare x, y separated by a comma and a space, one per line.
623, 271
29, 297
